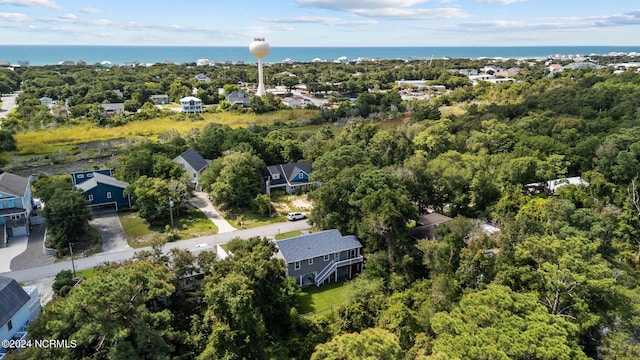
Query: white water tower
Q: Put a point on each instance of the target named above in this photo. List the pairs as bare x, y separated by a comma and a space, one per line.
260, 48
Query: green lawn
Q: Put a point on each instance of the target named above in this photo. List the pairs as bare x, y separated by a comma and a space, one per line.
88, 273
324, 298
193, 223
289, 234
189, 223
246, 219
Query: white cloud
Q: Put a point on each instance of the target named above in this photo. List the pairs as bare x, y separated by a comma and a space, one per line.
584, 24
348, 5
15, 17
33, 3
91, 10
68, 16
414, 14
318, 20
387, 9
504, 2
628, 18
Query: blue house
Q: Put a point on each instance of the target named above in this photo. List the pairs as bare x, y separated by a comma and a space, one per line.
289, 177
16, 205
18, 307
101, 189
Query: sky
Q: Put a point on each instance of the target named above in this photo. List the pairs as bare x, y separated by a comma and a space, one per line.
321, 22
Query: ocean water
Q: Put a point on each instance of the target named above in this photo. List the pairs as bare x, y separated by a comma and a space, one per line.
54, 54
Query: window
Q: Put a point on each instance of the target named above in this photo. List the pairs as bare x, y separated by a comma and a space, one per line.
326, 257
336, 256
90, 175
90, 197
300, 175
80, 176
108, 194
276, 176
296, 265
352, 253
310, 261
10, 203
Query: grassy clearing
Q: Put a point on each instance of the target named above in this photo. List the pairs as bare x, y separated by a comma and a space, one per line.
136, 230
242, 219
190, 223
324, 298
88, 273
193, 223
49, 141
288, 234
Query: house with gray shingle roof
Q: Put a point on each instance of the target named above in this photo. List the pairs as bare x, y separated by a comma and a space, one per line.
15, 206
113, 109
322, 257
290, 177
193, 163
18, 307
101, 189
239, 98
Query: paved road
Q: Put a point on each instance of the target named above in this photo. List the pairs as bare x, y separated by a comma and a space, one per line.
195, 245
8, 102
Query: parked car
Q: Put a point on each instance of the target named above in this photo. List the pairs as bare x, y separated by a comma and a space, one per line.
296, 216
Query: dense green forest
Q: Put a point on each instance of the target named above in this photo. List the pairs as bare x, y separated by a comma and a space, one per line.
559, 281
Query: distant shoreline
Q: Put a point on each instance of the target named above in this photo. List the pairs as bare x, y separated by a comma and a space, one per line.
115, 54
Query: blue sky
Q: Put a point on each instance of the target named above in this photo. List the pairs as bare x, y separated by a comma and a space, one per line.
321, 22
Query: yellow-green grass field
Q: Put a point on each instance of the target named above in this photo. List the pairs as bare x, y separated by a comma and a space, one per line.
65, 137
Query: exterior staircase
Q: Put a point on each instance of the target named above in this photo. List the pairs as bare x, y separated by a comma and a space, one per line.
324, 274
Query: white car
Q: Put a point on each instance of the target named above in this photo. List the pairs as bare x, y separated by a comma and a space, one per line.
296, 216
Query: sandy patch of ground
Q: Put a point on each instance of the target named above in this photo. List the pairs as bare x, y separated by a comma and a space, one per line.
290, 203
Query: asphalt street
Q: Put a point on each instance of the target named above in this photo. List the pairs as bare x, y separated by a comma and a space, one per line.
194, 245
8, 102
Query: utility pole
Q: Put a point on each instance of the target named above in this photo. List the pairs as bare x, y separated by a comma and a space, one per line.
269, 193
73, 264
171, 211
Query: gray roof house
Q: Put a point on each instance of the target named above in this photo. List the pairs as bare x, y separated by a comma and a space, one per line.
321, 257
193, 163
109, 110
159, 99
15, 206
203, 77
18, 307
238, 98
289, 177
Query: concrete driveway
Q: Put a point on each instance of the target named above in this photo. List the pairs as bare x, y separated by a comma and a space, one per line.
201, 201
108, 225
33, 254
